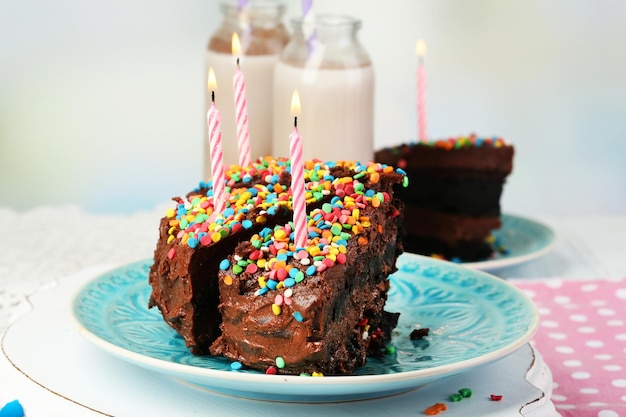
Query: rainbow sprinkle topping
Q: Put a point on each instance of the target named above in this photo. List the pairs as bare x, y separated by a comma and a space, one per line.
457, 143
261, 191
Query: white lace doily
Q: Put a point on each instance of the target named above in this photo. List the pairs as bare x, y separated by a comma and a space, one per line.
42, 245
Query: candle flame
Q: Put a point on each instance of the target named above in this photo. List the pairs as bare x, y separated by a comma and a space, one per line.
295, 104
236, 45
211, 82
420, 48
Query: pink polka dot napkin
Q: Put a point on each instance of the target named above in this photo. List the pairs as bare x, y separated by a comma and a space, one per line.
582, 338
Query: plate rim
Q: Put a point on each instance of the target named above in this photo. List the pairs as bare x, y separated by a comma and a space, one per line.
180, 370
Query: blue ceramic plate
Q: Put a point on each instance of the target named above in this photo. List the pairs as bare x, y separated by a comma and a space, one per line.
474, 318
519, 240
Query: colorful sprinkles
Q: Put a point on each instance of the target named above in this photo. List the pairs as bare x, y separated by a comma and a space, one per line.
259, 191
329, 229
437, 408
194, 223
449, 144
453, 143
462, 393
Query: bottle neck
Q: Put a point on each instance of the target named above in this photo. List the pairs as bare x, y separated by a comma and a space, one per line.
329, 40
328, 29
259, 27
260, 14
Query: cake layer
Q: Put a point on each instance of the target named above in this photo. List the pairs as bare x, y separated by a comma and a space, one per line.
468, 251
448, 228
452, 236
453, 194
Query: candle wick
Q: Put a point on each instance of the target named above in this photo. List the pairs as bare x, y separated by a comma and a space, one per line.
212, 96
295, 121
237, 61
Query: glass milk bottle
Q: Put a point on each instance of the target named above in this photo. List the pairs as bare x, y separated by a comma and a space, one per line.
335, 79
263, 36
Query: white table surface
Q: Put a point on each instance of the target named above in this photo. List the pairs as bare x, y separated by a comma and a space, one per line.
45, 247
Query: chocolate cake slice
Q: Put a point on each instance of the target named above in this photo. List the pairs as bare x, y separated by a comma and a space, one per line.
453, 200
233, 283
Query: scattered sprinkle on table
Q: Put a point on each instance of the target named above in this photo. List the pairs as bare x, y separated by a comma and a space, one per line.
465, 392
12, 409
435, 409
455, 397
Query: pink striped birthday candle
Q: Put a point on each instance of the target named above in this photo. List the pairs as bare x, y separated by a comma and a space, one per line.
297, 177
215, 148
241, 107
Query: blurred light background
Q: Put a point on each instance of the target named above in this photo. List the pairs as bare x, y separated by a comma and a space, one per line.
102, 103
